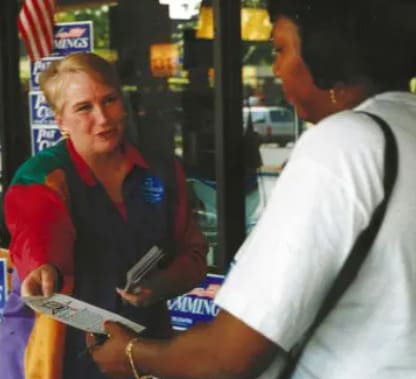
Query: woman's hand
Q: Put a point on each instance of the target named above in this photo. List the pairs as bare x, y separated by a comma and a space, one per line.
111, 355
146, 293
41, 281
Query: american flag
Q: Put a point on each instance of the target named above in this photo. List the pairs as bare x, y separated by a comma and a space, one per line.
35, 24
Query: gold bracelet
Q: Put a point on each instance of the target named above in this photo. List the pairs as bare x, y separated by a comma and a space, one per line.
128, 350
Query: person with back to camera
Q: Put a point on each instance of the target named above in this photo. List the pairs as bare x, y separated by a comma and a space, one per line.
336, 59
81, 214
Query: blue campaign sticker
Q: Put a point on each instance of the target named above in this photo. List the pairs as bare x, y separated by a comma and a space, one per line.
197, 305
153, 189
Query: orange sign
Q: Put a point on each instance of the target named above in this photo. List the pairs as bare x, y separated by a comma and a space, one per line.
164, 59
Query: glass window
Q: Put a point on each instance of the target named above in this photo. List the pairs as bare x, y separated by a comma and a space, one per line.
164, 55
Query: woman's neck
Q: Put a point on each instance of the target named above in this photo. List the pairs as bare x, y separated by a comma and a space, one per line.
110, 170
355, 95
101, 163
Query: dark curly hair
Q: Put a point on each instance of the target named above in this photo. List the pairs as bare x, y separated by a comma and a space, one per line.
352, 40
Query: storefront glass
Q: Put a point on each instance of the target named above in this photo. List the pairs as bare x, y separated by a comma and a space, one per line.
164, 56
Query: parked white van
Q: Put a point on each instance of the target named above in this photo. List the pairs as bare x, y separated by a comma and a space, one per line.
273, 124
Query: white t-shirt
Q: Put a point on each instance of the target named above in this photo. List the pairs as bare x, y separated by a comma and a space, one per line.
324, 198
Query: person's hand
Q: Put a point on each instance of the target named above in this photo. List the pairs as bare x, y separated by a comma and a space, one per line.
146, 293
41, 281
111, 356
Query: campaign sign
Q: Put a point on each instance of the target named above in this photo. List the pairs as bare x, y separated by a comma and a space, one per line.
72, 37
44, 137
36, 68
40, 111
3, 283
197, 305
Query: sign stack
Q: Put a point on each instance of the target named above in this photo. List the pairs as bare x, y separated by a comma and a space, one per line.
70, 37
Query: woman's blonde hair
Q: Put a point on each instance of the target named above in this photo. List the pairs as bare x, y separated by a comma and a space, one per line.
54, 79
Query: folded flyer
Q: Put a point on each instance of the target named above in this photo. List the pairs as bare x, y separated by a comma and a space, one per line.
77, 313
142, 267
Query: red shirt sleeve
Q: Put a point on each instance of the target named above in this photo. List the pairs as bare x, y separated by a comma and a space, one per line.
40, 227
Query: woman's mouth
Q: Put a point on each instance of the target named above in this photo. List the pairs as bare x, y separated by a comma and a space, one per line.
106, 133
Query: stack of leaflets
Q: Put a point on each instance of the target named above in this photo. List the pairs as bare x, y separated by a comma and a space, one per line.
142, 267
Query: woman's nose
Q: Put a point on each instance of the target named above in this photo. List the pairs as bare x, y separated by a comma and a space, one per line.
100, 114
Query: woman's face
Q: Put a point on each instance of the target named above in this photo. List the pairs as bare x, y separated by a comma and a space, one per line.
93, 115
311, 102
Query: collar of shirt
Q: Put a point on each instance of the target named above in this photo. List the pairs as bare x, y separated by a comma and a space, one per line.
133, 155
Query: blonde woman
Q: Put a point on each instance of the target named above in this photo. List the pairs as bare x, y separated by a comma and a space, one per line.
81, 214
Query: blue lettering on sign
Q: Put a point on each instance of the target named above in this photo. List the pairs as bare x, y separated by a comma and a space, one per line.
3, 284
72, 37
40, 111
36, 68
197, 305
44, 137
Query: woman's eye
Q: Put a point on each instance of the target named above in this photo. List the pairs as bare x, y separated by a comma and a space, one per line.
84, 108
110, 99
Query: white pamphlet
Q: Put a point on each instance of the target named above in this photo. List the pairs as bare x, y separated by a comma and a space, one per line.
142, 267
77, 313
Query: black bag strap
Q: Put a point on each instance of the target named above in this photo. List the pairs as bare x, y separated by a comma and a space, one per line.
361, 247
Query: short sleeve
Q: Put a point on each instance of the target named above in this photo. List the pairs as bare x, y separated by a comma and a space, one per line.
321, 202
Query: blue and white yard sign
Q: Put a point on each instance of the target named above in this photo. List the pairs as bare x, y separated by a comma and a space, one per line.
44, 131
36, 68
40, 111
72, 37
44, 137
3, 284
197, 305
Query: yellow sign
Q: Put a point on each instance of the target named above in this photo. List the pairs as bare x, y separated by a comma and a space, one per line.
205, 27
255, 24
164, 59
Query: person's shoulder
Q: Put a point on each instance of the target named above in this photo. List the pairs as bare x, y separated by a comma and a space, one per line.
346, 129
37, 168
344, 138
348, 124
